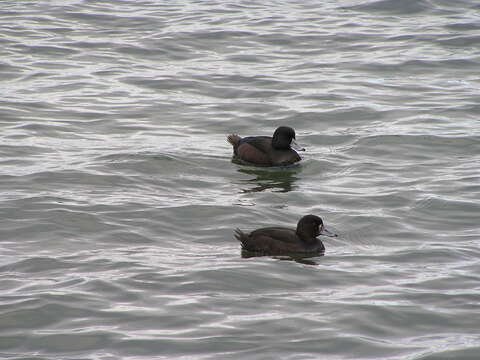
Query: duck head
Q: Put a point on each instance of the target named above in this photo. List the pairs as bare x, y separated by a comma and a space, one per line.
284, 139
311, 226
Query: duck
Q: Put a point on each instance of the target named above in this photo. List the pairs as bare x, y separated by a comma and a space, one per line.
278, 150
278, 240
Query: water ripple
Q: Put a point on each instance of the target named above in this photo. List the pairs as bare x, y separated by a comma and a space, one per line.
119, 194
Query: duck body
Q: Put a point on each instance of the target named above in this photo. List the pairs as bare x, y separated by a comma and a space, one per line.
266, 150
281, 241
277, 241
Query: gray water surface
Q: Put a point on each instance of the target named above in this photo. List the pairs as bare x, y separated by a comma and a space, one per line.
119, 197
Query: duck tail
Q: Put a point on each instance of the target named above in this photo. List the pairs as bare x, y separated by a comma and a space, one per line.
234, 139
242, 237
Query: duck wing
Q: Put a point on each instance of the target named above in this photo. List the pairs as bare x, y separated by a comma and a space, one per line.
272, 241
279, 234
262, 143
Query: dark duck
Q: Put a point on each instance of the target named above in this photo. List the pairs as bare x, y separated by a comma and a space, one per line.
283, 241
277, 150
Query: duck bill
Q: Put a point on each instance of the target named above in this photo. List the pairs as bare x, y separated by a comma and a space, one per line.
326, 232
295, 146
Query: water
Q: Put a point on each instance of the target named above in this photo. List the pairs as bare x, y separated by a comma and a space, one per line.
119, 197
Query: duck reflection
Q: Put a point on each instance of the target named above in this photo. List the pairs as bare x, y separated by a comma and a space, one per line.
301, 259
278, 179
